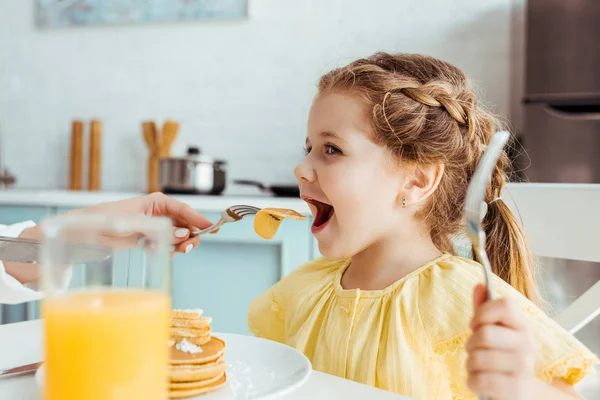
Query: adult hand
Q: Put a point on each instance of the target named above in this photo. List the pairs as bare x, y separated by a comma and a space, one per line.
184, 217
156, 204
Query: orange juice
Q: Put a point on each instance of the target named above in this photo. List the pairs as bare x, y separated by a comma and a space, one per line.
106, 345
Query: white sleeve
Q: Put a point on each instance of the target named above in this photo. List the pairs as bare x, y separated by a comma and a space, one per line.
11, 290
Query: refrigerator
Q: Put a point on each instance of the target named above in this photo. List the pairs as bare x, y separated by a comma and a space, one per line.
561, 135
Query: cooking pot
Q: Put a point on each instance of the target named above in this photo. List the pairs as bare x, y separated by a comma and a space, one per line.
193, 174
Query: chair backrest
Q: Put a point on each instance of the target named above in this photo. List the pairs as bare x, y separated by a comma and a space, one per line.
563, 221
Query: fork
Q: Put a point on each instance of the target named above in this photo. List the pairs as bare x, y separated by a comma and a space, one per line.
231, 214
475, 206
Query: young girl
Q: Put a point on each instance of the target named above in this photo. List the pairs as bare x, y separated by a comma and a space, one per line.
393, 141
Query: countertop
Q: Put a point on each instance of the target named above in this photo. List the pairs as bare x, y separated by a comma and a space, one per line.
71, 199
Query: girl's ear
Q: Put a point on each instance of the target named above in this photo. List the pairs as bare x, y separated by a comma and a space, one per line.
420, 183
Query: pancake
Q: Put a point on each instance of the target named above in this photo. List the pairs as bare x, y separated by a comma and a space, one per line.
267, 220
187, 313
189, 332
198, 341
283, 213
194, 373
193, 378
183, 393
198, 323
211, 351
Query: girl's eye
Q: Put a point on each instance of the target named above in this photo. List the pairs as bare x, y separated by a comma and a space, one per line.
332, 150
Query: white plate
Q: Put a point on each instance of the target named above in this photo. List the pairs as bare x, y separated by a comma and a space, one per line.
257, 369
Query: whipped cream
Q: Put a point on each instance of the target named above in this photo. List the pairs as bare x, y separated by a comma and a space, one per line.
188, 347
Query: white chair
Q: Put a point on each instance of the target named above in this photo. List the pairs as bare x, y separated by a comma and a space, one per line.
563, 221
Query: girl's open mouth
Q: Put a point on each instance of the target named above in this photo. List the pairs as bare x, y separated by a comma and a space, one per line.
324, 213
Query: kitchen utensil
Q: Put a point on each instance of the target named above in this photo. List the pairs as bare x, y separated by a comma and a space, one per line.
167, 137
28, 251
76, 168
277, 190
193, 174
476, 207
95, 156
20, 370
232, 214
152, 141
6, 178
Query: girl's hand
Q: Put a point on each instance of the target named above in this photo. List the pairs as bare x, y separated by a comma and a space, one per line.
501, 350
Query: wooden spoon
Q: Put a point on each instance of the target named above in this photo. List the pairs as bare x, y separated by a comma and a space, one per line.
95, 161
153, 143
169, 133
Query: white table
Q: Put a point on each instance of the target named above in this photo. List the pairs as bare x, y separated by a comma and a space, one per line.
21, 343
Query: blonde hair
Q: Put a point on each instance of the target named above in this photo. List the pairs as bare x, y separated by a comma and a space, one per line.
424, 112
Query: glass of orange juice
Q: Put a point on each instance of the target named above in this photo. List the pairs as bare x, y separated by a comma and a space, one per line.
106, 310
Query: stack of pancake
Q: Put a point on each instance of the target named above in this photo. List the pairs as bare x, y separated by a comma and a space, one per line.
197, 364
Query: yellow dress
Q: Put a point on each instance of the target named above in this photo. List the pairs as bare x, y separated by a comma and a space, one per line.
408, 338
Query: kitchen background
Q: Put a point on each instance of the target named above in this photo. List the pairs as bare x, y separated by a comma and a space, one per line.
240, 89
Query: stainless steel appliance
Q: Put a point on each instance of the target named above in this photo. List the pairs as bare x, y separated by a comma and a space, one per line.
561, 135
562, 100
193, 174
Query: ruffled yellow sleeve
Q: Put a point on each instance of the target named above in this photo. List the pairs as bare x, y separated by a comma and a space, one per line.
266, 316
269, 314
447, 312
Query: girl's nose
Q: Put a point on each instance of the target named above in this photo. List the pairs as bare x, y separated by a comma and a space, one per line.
305, 172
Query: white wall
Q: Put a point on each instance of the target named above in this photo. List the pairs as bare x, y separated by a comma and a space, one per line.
241, 90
